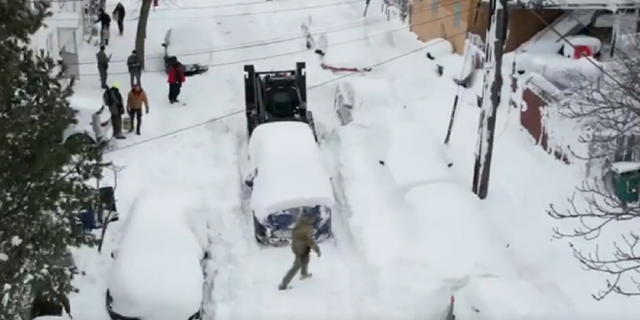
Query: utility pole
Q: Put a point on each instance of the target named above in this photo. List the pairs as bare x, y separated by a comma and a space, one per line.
494, 48
141, 33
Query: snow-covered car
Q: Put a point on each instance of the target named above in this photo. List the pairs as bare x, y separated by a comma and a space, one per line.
286, 176
94, 121
63, 317
157, 270
189, 44
490, 298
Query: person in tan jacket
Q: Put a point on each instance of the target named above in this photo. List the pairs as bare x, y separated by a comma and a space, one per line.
137, 97
302, 242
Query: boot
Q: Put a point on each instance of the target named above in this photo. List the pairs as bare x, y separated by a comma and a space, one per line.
305, 276
282, 287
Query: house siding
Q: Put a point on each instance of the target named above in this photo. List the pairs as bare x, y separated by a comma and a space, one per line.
431, 19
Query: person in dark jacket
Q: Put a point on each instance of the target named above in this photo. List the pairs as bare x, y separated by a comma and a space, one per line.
105, 24
175, 80
49, 305
135, 68
103, 66
118, 14
113, 99
302, 242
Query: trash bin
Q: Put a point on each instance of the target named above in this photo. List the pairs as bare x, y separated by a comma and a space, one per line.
625, 179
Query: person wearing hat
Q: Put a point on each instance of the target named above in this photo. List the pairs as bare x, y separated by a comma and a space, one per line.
135, 68
302, 242
136, 98
113, 100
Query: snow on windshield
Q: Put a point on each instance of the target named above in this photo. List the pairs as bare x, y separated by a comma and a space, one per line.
290, 169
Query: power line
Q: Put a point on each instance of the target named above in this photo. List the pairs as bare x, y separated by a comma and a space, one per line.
308, 88
268, 42
222, 64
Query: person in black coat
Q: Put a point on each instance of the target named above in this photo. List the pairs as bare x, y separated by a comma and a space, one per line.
118, 14
113, 100
105, 24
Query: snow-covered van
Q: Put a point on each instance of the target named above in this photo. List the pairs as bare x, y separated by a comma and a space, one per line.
94, 121
286, 176
190, 44
157, 272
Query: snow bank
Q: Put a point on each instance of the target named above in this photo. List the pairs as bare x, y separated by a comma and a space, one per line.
455, 66
290, 171
156, 273
456, 237
504, 299
65, 317
411, 154
438, 47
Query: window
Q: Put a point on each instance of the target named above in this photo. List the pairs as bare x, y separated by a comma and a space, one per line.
435, 4
457, 17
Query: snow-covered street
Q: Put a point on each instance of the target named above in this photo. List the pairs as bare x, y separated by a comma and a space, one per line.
398, 251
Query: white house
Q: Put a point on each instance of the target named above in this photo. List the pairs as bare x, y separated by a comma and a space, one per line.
63, 33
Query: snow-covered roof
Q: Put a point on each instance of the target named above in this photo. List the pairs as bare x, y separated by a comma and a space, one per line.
625, 166
290, 169
567, 4
156, 273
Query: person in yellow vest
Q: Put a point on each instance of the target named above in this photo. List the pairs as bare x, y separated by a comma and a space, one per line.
137, 97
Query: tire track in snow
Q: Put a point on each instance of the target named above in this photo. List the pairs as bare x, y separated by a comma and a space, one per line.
229, 234
366, 275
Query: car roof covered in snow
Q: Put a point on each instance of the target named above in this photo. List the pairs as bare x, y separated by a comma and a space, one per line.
157, 263
290, 170
447, 210
52, 318
190, 43
410, 152
489, 298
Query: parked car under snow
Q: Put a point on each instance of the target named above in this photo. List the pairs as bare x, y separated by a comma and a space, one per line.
94, 122
286, 176
191, 45
157, 272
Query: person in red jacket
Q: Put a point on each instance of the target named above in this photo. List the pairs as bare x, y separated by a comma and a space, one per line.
176, 78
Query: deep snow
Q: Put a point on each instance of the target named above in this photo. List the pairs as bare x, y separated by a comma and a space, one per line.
392, 255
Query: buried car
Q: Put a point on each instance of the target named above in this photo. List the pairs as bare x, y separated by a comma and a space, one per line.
286, 178
191, 46
93, 122
157, 272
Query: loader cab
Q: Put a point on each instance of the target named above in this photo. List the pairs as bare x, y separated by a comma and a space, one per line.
282, 100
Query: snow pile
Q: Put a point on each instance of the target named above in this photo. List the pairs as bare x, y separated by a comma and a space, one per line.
65, 317
490, 298
410, 153
438, 47
455, 234
455, 66
290, 172
156, 273
559, 69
